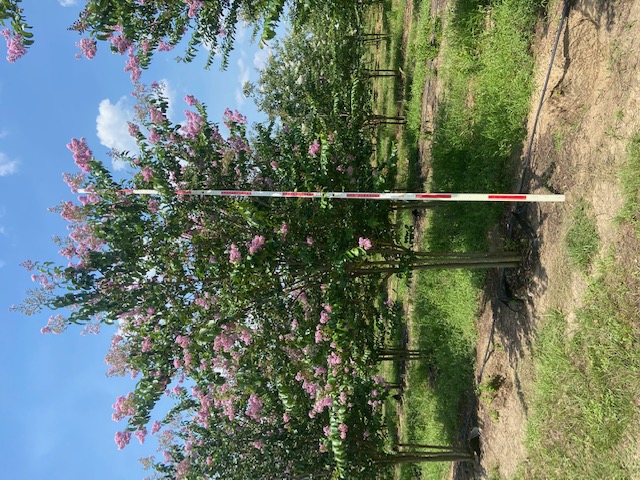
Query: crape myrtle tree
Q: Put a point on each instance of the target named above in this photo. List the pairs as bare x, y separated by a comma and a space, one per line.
255, 305
141, 28
315, 76
219, 291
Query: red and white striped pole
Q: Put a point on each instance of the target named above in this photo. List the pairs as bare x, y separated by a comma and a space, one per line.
439, 197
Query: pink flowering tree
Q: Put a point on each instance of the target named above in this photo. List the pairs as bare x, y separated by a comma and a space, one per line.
18, 37
254, 317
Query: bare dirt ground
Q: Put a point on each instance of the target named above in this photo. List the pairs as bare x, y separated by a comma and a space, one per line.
590, 110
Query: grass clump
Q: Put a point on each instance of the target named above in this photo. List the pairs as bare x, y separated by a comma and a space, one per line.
582, 240
630, 184
584, 416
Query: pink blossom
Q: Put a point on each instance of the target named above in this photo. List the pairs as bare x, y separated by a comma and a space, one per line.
157, 117
15, 46
234, 254
88, 47
153, 136
324, 317
284, 229
133, 66
140, 434
194, 6
120, 43
314, 148
81, 153
122, 439
153, 205
191, 100
74, 181
124, 407
134, 130
259, 444
326, 430
193, 124
155, 428
256, 244
234, 117
255, 407
334, 359
147, 173
343, 430
146, 344
364, 243
164, 46
285, 418
309, 241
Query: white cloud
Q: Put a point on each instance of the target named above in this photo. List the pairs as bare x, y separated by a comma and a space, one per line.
112, 127
67, 3
7, 167
243, 77
4, 132
261, 57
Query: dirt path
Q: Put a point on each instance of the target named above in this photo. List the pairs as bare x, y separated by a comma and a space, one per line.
590, 110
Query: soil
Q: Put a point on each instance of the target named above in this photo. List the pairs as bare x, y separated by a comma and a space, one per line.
589, 112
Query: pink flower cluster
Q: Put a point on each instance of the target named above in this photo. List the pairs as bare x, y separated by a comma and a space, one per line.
194, 6
256, 244
147, 174
140, 435
122, 439
124, 407
15, 46
55, 325
314, 148
73, 181
157, 117
234, 254
193, 126
191, 100
234, 117
88, 47
81, 153
365, 243
255, 407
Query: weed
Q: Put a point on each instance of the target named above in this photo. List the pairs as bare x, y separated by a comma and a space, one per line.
559, 139
584, 417
630, 184
582, 240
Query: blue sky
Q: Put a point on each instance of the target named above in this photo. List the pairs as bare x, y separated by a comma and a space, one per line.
55, 396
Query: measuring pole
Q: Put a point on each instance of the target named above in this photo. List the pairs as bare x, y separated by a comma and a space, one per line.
437, 197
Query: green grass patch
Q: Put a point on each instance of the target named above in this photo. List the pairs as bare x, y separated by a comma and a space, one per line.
582, 240
487, 75
487, 70
630, 184
443, 324
584, 413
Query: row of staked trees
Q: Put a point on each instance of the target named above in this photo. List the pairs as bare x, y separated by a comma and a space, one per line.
262, 320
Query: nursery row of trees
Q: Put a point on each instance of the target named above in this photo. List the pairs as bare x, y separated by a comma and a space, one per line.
263, 320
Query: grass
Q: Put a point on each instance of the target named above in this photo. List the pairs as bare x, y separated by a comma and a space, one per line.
487, 75
630, 184
582, 240
487, 78
584, 413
